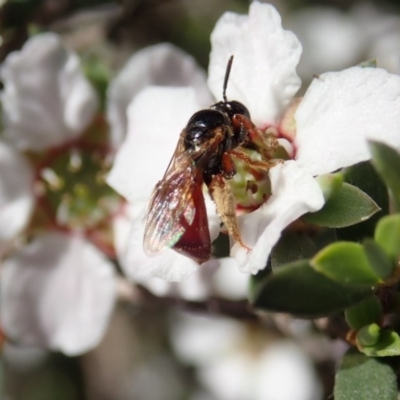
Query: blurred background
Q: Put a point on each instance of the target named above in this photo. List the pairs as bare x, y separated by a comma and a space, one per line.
172, 348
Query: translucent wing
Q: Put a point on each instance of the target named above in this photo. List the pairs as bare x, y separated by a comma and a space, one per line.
176, 214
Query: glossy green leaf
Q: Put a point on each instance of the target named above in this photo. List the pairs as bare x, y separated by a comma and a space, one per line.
362, 378
365, 177
388, 345
387, 162
368, 335
387, 235
345, 262
365, 312
348, 206
298, 289
378, 260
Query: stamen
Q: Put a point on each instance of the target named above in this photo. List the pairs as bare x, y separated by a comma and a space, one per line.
63, 210
75, 161
54, 181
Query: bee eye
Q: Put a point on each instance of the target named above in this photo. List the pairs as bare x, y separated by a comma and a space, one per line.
200, 127
238, 108
231, 108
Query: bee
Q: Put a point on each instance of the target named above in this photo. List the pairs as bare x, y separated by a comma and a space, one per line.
176, 215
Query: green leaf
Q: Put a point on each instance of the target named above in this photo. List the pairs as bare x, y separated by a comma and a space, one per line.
364, 176
387, 162
387, 235
348, 206
368, 335
387, 345
345, 262
362, 378
298, 289
292, 246
365, 312
378, 260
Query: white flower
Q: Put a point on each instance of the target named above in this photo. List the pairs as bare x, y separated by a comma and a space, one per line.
16, 194
46, 99
235, 362
58, 290
326, 132
331, 39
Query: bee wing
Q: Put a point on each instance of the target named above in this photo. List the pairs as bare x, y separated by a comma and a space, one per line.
169, 207
177, 198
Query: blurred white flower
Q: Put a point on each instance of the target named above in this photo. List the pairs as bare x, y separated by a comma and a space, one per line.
332, 40
381, 32
57, 291
238, 362
46, 99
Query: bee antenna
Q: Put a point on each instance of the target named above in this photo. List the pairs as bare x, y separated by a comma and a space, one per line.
227, 73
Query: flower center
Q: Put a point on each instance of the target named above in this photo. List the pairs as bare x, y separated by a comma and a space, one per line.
70, 185
251, 185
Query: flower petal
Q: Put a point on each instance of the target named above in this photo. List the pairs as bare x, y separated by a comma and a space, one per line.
294, 193
159, 65
200, 339
340, 111
155, 119
16, 192
58, 292
168, 265
284, 373
263, 74
228, 281
46, 99
196, 287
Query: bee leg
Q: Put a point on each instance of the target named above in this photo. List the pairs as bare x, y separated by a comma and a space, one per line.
228, 166
223, 198
265, 165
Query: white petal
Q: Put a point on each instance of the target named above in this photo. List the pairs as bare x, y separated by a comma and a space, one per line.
340, 111
58, 292
229, 282
46, 99
294, 193
16, 192
159, 65
285, 373
168, 265
195, 287
331, 40
263, 75
155, 120
199, 339
237, 370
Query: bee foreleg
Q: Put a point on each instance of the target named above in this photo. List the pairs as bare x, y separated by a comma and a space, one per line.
222, 196
228, 166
